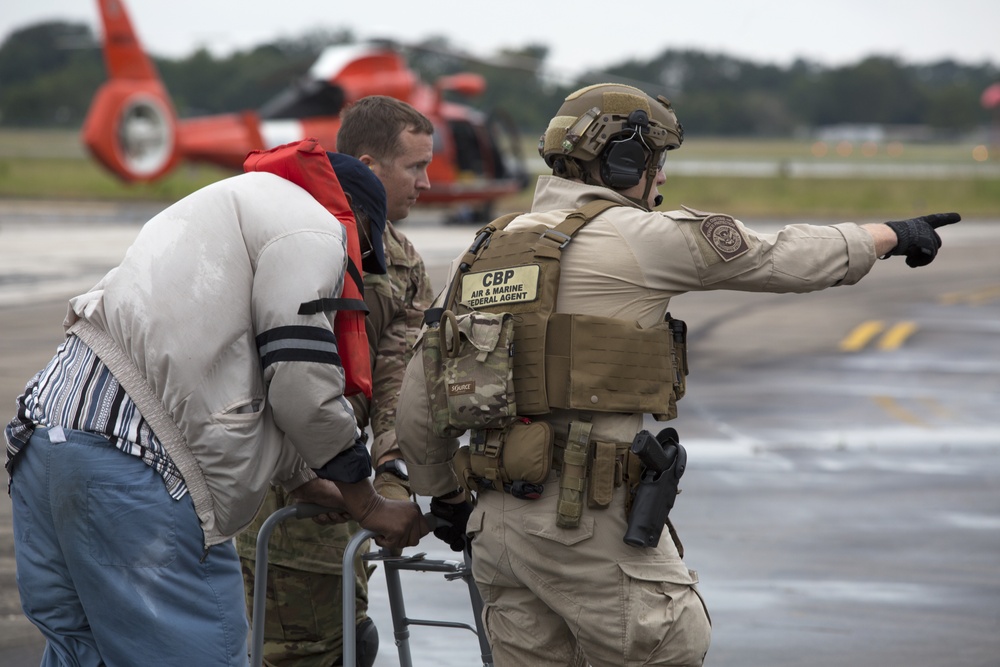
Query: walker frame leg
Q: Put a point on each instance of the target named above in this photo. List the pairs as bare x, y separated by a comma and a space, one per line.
397, 608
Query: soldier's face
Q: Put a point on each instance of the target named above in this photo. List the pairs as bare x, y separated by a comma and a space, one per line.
405, 176
636, 191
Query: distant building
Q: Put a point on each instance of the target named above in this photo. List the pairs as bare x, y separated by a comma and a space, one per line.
853, 133
873, 132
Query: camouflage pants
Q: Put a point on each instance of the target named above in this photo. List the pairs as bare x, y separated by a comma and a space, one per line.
303, 620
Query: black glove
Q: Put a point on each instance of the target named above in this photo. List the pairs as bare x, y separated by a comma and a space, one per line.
454, 520
917, 238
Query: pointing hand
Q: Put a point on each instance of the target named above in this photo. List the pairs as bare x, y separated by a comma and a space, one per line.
917, 239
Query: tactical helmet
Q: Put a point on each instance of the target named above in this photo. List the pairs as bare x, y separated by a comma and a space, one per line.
592, 117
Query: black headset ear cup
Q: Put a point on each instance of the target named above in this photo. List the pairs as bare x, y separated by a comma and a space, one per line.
623, 164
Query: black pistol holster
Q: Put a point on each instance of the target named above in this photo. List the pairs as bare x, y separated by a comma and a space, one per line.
663, 461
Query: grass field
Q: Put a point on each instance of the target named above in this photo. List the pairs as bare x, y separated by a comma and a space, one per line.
53, 165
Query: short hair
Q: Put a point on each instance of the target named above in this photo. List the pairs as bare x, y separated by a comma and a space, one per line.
373, 125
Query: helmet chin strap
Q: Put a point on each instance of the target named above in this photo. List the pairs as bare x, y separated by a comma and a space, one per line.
572, 169
652, 168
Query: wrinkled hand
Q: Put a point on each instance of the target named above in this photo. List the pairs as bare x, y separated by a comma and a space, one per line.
326, 494
916, 238
389, 486
456, 519
396, 523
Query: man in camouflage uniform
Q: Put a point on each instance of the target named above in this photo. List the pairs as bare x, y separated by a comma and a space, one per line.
303, 616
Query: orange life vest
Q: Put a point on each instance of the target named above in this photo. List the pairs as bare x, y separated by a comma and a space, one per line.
305, 163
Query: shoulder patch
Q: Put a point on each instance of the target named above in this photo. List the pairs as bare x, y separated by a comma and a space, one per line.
725, 236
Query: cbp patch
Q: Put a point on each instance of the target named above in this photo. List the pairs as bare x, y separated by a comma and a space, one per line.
517, 284
724, 236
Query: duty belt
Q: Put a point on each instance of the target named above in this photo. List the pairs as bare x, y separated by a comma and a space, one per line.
518, 488
559, 451
607, 465
529, 491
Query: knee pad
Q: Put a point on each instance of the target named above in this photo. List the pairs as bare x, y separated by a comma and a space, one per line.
367, 640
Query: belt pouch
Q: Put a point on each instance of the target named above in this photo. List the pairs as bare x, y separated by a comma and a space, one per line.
573, 477
521, 451
484, 455
602, 476
462, 466
632, 474
526, 453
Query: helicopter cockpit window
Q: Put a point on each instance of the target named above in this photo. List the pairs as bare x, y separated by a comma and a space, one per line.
468, 155
304, 98
499, 167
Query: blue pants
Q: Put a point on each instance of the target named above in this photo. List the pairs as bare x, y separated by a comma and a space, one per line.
111, 569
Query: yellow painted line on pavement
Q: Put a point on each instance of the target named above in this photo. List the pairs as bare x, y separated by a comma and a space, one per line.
896, 335
985, 295
865, 334
934, 408
894, 409
861, 336
975, 297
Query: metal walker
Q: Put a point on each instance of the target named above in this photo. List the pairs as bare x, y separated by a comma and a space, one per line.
391, 565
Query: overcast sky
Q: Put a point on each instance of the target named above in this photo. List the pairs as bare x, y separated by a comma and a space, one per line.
831, 32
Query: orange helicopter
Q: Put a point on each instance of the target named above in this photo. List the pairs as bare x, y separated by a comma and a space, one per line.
133, 130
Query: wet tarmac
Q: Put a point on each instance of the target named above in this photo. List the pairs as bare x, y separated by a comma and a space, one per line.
842, 497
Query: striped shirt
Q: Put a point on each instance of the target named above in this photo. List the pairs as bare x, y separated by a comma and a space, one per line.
77, 391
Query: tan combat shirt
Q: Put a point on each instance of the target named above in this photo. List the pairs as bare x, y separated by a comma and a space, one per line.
627, 263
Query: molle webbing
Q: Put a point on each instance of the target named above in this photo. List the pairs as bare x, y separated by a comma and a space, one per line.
607, 365
566, 360
539, 246
572, 481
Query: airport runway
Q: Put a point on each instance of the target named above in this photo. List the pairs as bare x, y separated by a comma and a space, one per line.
842, 498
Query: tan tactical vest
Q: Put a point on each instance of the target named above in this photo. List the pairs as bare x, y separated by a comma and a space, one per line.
563, 360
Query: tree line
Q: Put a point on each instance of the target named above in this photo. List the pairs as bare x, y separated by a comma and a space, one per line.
50, 71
